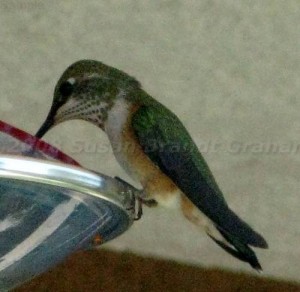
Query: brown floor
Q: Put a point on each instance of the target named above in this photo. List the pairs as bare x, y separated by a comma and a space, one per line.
109, 271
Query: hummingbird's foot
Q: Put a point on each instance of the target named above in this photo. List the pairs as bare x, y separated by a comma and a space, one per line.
149, 203
140, 203
136, 202
139, 212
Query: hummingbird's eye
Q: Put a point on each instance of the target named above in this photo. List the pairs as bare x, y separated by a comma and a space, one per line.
66, 89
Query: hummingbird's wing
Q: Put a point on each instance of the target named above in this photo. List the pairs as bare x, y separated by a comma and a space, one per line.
168, 144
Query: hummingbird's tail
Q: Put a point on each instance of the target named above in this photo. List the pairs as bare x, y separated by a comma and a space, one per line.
239, 250
229, 231
233, 226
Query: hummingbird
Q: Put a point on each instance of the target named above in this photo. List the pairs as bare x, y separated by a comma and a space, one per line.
155, 149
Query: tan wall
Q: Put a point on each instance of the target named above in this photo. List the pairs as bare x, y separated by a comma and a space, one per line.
229, 69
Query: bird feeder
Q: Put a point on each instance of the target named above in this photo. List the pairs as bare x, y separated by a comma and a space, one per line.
51, 207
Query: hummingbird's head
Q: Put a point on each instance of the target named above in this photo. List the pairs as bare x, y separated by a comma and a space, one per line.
87, 90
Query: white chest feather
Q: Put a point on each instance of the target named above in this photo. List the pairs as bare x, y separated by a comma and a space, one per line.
114, 125
116, 119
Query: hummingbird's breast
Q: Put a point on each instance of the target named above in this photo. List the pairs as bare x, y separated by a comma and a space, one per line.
133, 159
115, 127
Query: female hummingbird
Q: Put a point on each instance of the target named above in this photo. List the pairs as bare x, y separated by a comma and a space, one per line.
154, 148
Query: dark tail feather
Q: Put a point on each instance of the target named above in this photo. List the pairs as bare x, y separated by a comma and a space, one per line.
240, 251
240, 229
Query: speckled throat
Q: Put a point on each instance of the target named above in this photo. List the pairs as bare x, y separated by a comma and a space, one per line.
90, 108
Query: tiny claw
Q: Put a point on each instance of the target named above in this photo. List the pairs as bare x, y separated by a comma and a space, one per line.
137, 200
140, 202
139, 209
136, 203
149, 203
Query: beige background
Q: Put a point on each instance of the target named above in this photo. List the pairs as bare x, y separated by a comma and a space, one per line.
229, 69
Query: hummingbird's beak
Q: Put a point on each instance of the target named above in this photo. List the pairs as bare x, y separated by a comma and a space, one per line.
48, 124
44, 128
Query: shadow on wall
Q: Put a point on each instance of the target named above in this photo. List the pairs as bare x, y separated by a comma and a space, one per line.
110, 271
